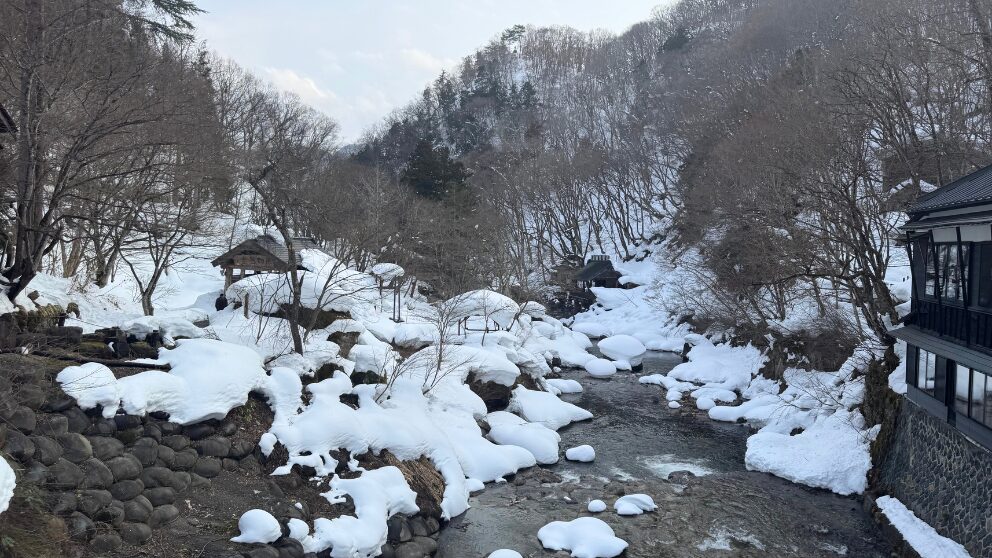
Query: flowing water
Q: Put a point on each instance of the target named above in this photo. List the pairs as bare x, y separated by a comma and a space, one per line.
709, 507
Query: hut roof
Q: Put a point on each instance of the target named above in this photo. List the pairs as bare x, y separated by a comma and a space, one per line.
972, 189
597, 268
268, 245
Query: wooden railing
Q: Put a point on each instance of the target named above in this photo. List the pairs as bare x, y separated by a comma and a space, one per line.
967, 326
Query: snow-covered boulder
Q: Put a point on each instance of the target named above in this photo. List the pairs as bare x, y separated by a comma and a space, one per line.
600, 368
7, 483
545, 408
386, 272
584, 454
585, 537
623, 347
509, 429
634, 504
561, 385
596, 506
488, 305
257, 526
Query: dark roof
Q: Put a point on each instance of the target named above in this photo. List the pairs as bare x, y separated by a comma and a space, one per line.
597, 269
6, 122
973, 189
270, 246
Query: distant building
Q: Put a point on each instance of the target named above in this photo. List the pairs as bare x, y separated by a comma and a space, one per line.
263, 254
949, 330
598, 272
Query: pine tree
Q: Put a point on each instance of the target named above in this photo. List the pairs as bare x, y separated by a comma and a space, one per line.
432, 173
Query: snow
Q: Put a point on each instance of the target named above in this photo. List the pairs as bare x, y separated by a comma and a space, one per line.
8, 481
634, 504
298, 529
387, 271
718, 366
545, 408
491, 306
509, 429
674, 405
257, 526
584, 453
378, 495
924, 539
92, 385
600, 368
171, 327
505, 553
623, 347
585, 537
592, 329
596, 506
563, 386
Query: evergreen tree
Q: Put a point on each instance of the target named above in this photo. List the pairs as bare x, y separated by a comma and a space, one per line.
432, 173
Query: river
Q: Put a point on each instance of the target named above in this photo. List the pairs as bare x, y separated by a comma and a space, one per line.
717, 510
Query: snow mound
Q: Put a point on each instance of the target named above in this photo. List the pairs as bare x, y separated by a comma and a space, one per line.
563, 386
623, 347
387, 271
600, 368
634, 504
674, 405
832, 454
509, 429
924, 539
596, 506
545, 408
505, 553
584, 453
592, 329
586, 537
493, 307
7, 482
257, 526
718, 366
378, 495
91, 385
169, 326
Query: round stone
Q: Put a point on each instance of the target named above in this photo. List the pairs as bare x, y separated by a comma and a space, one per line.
77, 420
92, 501
208, 467
52, 424
166, 457
46, 450
135, 533
19, 446
160, 496
105, 448
97, 474
125, 467
185, 459
199, 431
23, 419
75, 447
105, 543
81, 528
139, 509
64, 475
146, 451
163, 515
214, 447
126, 489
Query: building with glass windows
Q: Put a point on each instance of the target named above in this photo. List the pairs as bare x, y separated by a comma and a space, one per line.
949, 330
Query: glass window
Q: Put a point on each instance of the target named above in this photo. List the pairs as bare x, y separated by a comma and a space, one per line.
951, 273
931, 284
984, 279
926, 372
962, 379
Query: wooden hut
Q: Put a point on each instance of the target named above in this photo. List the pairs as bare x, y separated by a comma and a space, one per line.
263, 254
598, 272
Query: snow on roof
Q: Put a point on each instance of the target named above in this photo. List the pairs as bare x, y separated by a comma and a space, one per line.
968, 190
387, 271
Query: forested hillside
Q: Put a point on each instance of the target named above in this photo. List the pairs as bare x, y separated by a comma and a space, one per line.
766, 139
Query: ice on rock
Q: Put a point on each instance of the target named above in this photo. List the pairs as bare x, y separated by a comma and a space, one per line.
596, 506
257, 526
585, 537
584, 453
545, 408
600, 368
623, 347
634, 504
509, 429
7, 482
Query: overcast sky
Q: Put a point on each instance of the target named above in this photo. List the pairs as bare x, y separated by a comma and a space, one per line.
357, 60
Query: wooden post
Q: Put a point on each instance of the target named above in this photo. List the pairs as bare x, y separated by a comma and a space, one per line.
228, 277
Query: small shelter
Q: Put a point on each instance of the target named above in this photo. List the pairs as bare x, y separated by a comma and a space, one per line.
598, 272
263, 254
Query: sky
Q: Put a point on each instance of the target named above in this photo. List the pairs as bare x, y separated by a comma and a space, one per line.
357, 60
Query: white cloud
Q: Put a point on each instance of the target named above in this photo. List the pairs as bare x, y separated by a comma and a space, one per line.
422, 60
306, 88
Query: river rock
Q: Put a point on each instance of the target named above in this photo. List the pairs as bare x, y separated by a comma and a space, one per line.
75, 447
163, 515
19, 446
241, 448
127, 422
46, 450
77, 420
145, 450
135, 533
160, 496
185, 459
58, 403
263, 552
154, 477
198, 431
170, 428
92, 501
67, 503
64, 475
112, 514
418, 526
102, 427
52, 424
214, 447
176, 442
23, 419
127, 489
166, 457
207, 467
105, 543
36, 473
125, 467
139, 509
289, 548
153, 431
81, 528
419, 547
31, 396
98, 475
227, 428
105, 448
398, 530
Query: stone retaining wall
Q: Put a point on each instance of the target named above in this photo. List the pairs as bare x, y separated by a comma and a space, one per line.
943, 477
